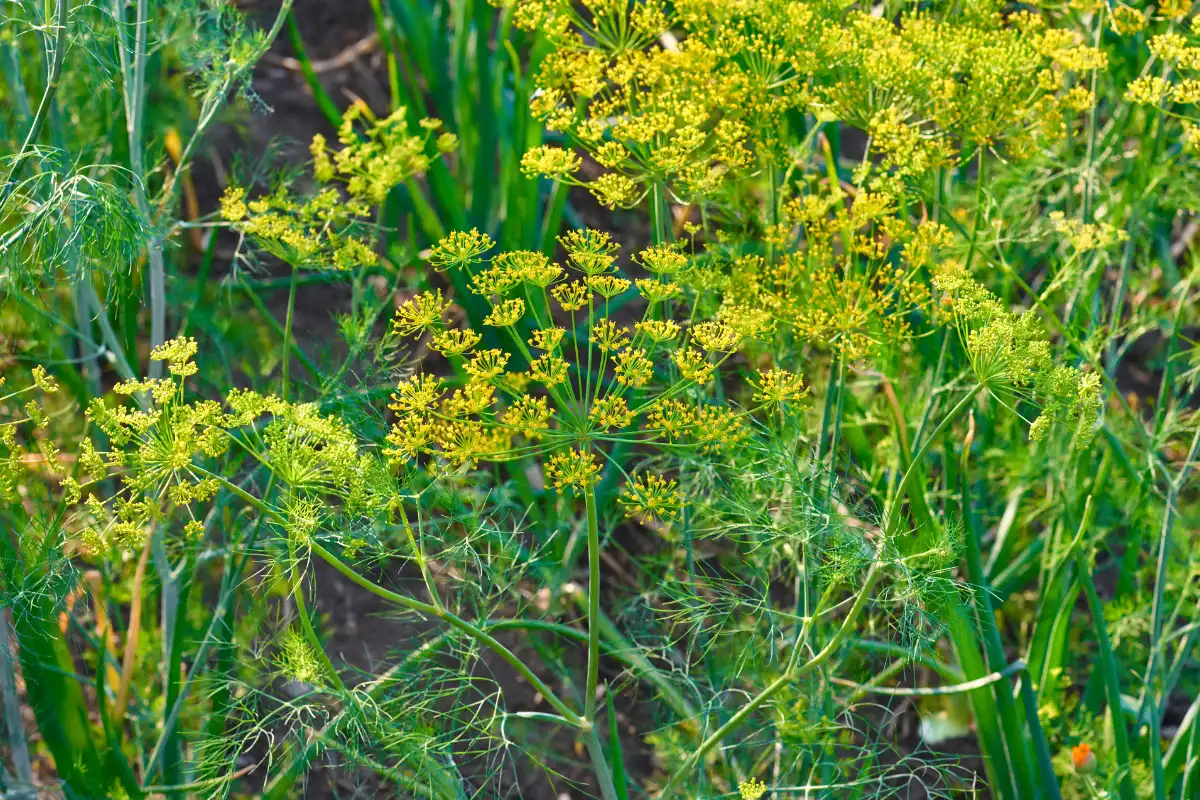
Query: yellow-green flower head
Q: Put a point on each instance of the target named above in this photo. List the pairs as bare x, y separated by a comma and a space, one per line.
547, 339
650, 496
44, 381
552, 162
455, 342
657, 291
693, 365
586, 248
178, 354
495, 281
460, 249
416, 395
611, 412
632, 368
778, 386
671, 419
549, 370
572, 296
716, 336
752, 789
529, 416
506, 313
658, 331
485, 365
572, 469
607, 286
607, 336
420, 313
662, 260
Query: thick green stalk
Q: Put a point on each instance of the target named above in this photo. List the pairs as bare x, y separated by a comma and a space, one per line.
593, 547
600, 764
287, 333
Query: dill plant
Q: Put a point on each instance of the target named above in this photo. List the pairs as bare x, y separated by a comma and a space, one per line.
848, 442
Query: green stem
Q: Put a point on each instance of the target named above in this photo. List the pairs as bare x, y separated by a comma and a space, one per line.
979, 181
287, 332
600, 764
892, 518
593, 613
310, 632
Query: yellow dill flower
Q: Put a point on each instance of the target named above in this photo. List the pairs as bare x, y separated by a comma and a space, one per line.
416, 395
650, 496
410, 435
589, 251
746, 321
614, 190
752, 789
1147, 90
1127, 21
495, 281
574, 469
777, 386
658, 330
507, 313
43, 381
717, 428
529, 266
607, 286
455, 342
671, 418
178, 354
546, 338
571, 296
420, 313
460, 249
446, 143
323, 169
530, 416
1186, 91
611, 412
657, 291
716, 336
549, 370
661, 260
633, 368
607, 336
485, 365
693, 365
233, 204
474, 398
552, 162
